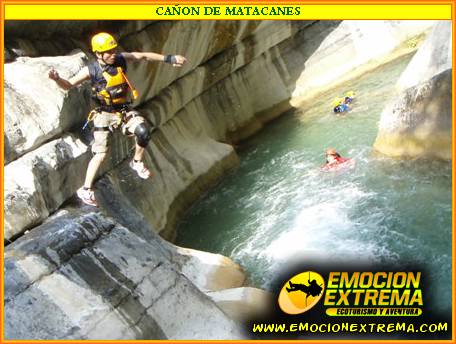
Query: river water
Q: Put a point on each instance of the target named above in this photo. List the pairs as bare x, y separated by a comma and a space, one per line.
278, 207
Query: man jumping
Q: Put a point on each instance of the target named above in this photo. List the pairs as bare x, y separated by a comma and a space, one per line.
113, 92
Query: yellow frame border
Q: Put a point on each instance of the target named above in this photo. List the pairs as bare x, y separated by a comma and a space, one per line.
35, 15
141, 11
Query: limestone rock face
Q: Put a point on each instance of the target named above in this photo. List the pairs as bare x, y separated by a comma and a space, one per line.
433, 57
36, 109
84, 276
351, 49
231, 86
418, 122
37, 184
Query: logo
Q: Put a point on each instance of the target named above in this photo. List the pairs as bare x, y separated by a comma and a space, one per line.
301, 292
354, 293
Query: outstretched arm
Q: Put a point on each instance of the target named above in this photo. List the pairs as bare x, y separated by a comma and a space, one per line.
175, 60
76, 80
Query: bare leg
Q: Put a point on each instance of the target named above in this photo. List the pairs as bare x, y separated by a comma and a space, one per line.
138, 165
139, 153
92, 168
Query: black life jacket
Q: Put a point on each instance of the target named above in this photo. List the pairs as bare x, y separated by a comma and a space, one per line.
109, 83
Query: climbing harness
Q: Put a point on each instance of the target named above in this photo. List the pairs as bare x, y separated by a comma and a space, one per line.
121, 117
134, 92
90, 118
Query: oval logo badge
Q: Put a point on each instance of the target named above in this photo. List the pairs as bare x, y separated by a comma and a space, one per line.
301, 292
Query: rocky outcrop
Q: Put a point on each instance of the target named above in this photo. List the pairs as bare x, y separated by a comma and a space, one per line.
36, 109
84, 276
38, 184
418, 122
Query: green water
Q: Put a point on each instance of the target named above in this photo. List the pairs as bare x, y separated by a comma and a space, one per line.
278, 207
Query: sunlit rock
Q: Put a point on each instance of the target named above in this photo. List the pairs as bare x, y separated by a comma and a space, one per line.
418, 122
351, 49
39, 182
36, 109
244, 304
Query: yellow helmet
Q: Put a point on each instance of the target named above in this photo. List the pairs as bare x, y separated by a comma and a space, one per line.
103, 42
337, 101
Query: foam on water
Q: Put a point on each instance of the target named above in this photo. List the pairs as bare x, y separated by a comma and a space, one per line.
316, 223
279, 208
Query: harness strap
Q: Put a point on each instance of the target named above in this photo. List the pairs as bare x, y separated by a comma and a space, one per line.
113, 108
133, 90
101, 129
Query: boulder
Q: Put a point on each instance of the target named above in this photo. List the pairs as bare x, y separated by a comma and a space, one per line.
433, 57
36, 109
82, 275
38, 183
210, 272
418, 122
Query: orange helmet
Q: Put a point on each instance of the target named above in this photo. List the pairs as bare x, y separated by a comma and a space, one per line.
331, 151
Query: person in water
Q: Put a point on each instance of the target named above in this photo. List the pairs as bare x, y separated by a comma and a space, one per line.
333, 159
343, 104
342, 107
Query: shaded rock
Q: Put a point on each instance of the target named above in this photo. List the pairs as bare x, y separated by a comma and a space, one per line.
54, 37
